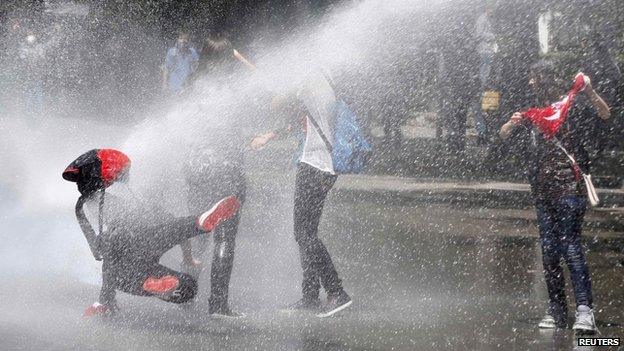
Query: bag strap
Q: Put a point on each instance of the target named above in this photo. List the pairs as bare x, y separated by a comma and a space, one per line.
321, 134
315, 123
330, 81
579, 174
101, 213
560, 146
87, 230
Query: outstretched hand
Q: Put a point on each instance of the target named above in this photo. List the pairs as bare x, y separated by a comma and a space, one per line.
260, 141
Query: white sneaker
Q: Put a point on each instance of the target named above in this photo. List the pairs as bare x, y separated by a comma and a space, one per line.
585, 322
548, 322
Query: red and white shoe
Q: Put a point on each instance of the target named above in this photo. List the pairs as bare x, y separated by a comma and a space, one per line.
97, 309
163, 287
223, 210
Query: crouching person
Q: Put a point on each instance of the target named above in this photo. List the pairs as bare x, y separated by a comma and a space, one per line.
132, 235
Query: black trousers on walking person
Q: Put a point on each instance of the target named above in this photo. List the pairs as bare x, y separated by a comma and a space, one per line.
311, 188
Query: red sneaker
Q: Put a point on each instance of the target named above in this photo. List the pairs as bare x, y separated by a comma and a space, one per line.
223, 210
97, 309
161, 286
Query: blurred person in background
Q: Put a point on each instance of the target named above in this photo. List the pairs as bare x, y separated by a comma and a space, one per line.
487, 49
180, 63
458, 83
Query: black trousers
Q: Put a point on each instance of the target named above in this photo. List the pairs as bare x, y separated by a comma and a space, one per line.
311, 188
206, 186
131, 257
457, 114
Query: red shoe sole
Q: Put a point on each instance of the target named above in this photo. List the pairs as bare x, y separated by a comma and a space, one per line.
162, 285
223, 210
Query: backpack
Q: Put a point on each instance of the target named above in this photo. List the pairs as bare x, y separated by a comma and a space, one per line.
350, 150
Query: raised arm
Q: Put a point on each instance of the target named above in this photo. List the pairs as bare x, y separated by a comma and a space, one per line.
603, 110
242, 59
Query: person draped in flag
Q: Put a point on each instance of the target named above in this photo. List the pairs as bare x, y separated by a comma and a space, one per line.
556, 131
132, 235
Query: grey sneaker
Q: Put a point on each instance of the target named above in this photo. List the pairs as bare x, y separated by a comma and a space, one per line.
306, 304
585, 322
549, 322
335, 304
226, 313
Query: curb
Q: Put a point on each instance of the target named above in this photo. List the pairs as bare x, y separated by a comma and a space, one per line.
474, 193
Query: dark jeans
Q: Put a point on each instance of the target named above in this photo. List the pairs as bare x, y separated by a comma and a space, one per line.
131, 258
560, 222
311, 188
458, 111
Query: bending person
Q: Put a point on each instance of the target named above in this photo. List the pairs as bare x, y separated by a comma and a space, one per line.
133, 237
315, 178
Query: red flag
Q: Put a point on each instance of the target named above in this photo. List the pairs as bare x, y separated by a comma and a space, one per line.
549, 119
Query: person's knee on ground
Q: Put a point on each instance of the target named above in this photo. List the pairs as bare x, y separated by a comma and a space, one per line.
170, 288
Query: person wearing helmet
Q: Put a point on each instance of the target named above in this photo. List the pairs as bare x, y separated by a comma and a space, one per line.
131, 236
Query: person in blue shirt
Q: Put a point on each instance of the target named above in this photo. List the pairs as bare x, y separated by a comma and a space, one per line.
180, 63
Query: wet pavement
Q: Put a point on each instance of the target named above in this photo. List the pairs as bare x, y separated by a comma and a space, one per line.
424, 275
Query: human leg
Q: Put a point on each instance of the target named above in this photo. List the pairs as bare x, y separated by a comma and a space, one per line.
551, 260
312, 186
148, 278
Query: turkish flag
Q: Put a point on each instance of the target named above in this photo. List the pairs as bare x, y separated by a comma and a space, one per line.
549, 119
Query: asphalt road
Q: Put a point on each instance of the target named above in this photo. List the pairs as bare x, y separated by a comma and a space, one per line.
423, 276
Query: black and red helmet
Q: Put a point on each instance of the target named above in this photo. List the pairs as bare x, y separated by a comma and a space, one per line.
97, 169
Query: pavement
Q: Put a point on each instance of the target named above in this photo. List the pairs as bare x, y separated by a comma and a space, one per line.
485, 193
432, 264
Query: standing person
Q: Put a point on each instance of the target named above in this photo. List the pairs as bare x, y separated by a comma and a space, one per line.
180, 63
487, 48
216, 167
560, 196
458, 81
315, 178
